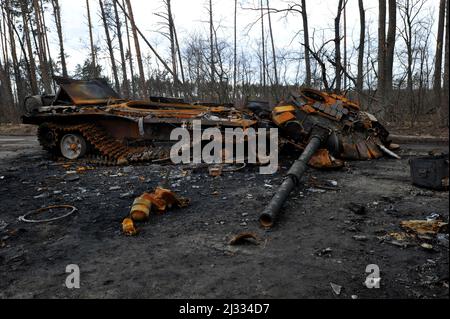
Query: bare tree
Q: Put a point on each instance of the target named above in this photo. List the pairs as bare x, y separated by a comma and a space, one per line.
109, 44
362, 40
211, 44
91, 40
446, 68
32, 63
235, 51
409, 12
274, 56
390, 48
125, 84
41, 48
381, 87
142, 89
337, 42
306, 43
263, 51
437, 84
58, 23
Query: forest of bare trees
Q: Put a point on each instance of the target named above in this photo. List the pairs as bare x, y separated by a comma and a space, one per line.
400, 73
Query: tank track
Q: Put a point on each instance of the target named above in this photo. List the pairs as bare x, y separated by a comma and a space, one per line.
103, 148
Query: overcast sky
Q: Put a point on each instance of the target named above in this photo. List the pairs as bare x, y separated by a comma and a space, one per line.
192, 16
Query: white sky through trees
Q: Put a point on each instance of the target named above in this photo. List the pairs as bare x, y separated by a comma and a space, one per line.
191, 16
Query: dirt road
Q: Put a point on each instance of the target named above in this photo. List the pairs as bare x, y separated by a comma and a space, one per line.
185, 253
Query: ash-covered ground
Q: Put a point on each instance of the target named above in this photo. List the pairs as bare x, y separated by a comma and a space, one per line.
327, 235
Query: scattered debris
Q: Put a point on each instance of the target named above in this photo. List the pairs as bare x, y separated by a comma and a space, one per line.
443, 240
358, 209
244, 238
322, 159
140, 210
331, 183
128, 169
324, 252
43, 195
128, 227
360, 238
159, 201
72, 178
215, 171
400, 236
115, 188
316, 190
424, 227
25, 219
2, 177
336, 288
82, 169
434, 216
3, 225
426, 246
127, 195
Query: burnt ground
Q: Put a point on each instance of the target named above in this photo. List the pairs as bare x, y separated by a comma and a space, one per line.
185, 253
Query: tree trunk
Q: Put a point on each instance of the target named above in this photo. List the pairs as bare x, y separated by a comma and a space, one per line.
362, 40
390, 48
32, 62
62, 54
125, 84
235, 51
381, 57
91, 39
263, 53
129, 54
345, 64
50, 60
42, 49
173, 48
211, 44
110, 48
337, 41
437, 83
7, 100
142, 89
12, 41
446, 68
274, 56
306, 40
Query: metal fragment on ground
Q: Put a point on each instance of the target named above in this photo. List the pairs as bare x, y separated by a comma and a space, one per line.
425, 227
244, 238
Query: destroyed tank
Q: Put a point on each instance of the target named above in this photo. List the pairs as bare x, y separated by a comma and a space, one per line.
89, 119
328, 128
353, 133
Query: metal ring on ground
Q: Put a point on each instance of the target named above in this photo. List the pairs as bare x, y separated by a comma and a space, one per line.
26, 220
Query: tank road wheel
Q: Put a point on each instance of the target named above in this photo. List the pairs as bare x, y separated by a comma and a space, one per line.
73, 146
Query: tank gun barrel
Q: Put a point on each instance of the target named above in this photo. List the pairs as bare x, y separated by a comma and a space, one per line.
270, 214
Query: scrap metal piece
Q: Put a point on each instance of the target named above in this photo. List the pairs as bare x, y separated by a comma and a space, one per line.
425, 227
25, 218
388, 152
244, 238
128, 227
